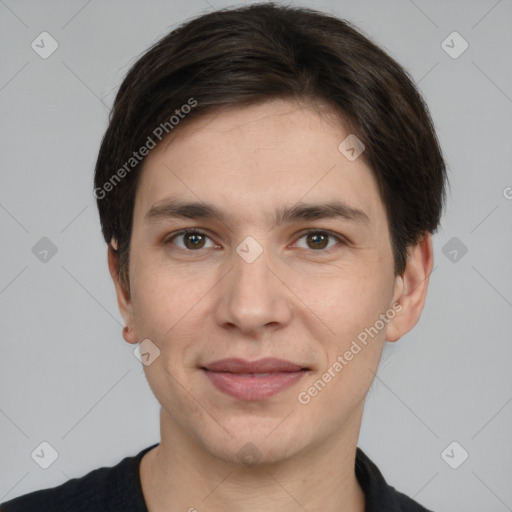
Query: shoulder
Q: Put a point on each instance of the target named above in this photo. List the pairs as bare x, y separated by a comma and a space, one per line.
91, 492
381, 497
406, 504
115, 488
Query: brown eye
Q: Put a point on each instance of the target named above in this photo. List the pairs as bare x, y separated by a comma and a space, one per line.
319, 240
190, 240
193, 240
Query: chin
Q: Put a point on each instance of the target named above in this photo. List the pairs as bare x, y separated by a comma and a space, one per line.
255, 446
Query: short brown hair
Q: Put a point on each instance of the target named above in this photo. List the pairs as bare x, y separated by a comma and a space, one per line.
265, 51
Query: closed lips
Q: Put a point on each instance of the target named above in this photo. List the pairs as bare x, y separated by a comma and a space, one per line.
264, 366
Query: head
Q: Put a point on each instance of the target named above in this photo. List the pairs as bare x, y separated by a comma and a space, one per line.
270, 119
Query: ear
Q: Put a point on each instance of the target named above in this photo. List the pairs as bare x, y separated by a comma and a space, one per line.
411, 288
123, 295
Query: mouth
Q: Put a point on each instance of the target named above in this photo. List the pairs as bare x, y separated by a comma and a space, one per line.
253, 380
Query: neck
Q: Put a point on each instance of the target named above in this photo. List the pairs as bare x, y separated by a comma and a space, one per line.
180, 475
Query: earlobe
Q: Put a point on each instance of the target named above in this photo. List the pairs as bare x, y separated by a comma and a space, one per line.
123, 295
129, 335
411, 288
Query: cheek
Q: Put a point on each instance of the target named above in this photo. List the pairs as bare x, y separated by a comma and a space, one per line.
352, 310
167, 311
352, 353
163, 301
349, 302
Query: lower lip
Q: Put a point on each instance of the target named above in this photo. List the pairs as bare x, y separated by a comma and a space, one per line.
253, 388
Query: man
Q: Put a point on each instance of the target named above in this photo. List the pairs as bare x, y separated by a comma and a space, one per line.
267, 187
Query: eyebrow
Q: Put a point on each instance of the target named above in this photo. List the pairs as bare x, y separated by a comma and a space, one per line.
297, 212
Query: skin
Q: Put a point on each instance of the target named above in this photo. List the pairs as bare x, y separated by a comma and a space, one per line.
295, 301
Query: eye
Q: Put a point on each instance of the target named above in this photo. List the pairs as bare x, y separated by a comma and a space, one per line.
191, 238
318, 239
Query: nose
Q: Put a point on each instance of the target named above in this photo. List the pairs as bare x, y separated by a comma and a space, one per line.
253, 297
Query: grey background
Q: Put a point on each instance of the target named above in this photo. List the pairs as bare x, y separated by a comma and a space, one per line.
67, 376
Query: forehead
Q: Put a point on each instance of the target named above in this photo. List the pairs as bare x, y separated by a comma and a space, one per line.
257, 158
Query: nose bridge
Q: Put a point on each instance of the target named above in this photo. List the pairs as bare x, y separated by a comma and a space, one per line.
253, 296
251, 268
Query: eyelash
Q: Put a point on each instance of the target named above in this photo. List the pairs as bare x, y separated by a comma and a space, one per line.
192, 231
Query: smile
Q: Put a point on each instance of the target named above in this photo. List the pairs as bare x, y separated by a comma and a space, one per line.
245, 380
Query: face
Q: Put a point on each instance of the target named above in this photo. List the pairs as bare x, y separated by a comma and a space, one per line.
273, 274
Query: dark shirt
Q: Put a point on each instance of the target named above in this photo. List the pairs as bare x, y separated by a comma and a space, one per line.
118, 489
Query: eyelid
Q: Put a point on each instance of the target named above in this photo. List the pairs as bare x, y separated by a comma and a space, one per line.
338, 236
176, 234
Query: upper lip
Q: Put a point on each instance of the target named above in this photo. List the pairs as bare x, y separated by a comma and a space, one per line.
266, 365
